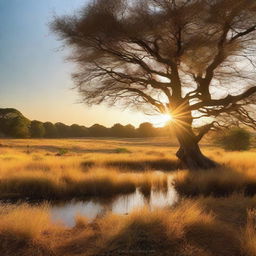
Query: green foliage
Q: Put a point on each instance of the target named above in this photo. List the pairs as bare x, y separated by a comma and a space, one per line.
50, 130
121, 131
146, 130
62, 151
37, 129
19, 128
78, 131
63, 130
98, 130
14, 124
122, 150
235, 139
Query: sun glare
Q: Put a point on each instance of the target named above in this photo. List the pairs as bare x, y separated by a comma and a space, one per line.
161, 120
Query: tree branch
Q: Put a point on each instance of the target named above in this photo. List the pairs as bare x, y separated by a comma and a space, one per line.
225, 101
148, 98
244, 33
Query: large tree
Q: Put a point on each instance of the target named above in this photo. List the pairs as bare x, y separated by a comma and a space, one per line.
194, 59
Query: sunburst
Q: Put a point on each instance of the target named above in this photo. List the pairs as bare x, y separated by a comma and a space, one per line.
161, 120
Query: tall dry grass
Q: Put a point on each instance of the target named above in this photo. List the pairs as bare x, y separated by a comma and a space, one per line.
185, 229
236, 175
202, 226
21, 229
24, 220
35, 172
249, 239
73, 183
217, 182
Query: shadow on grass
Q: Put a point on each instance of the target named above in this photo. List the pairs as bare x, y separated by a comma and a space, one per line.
143, 165
40, 188
15, 245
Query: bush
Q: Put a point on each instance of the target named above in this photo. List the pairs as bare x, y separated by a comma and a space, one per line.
62, 152
235, 139
122, 150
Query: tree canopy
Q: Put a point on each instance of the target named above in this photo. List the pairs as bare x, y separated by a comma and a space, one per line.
164, 53
37, 129
194, 59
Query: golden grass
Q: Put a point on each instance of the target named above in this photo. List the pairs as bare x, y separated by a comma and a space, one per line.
21, 229
249, 239
203, 226
218, 182
237, 174
35, 173
74, 183
21, 220
186, 229
142, 164
190, 228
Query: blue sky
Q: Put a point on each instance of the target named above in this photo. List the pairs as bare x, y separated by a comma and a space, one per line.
34, 76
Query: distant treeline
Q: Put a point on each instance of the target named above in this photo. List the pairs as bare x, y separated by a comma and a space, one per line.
14, 124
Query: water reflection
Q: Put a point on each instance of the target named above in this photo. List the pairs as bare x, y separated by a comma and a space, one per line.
121, 205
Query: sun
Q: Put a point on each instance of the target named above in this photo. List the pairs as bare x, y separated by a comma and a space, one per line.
161, 120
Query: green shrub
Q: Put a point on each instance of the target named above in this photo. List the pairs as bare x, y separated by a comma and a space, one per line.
122, 150
235, 139
62, 151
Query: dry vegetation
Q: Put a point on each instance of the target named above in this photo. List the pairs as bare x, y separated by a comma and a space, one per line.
236, 175
189, 228
36, 172
218, 220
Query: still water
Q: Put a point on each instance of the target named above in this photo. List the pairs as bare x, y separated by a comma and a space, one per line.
65, 213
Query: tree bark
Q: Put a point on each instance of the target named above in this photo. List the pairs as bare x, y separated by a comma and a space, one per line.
191, 157
189, 153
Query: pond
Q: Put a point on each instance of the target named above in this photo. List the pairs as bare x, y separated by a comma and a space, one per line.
65, 213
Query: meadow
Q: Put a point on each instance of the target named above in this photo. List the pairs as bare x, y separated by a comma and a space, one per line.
215, 213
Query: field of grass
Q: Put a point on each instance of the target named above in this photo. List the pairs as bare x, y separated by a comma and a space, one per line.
192, 227
42, 173
214, 216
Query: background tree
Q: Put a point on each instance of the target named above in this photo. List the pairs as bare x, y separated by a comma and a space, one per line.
166, 131
13, 123
98, 130
63, 130
19, 128
129, 131
118, 130
50, 130
78, 131
146, 130
194, 59
37, 129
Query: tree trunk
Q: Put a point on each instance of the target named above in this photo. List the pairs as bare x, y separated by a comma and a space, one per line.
191, 157
189, 153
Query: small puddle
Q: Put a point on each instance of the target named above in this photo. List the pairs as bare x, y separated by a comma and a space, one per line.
67, 212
